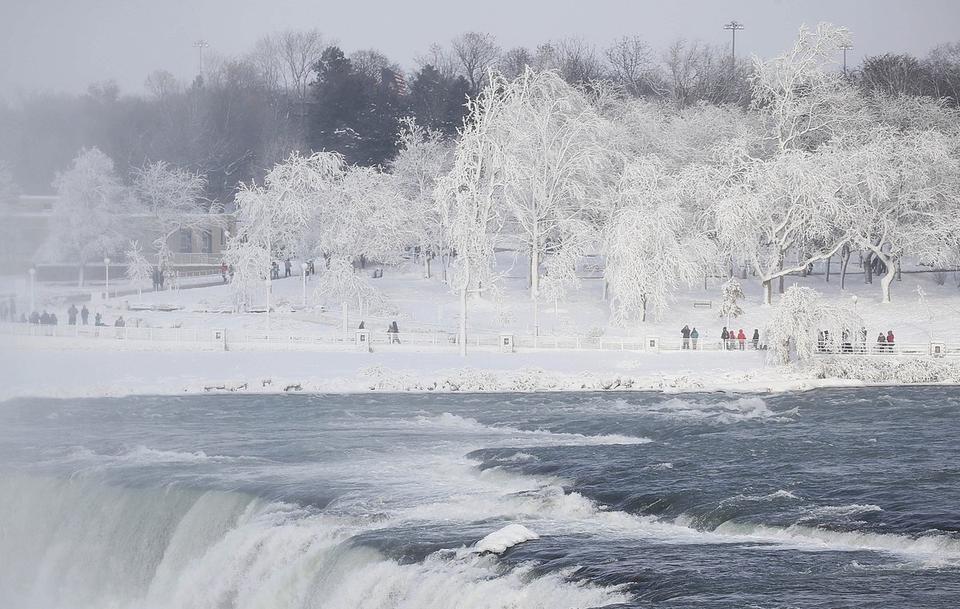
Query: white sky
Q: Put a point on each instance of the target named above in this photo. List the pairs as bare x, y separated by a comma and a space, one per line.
66, 44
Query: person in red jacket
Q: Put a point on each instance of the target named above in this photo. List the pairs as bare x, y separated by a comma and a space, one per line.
742, 338
889, 340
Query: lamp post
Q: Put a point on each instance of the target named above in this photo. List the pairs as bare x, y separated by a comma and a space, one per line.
106, 266
33, 273
303, 281
854, 299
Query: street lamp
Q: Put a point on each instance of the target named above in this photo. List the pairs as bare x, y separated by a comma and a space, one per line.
303, 280
32, 272
854, 299
106, 265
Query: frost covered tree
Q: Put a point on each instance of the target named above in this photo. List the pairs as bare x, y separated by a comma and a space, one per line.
358, 219
341, 283
651, 249
139, 269
467, 196
732, 294
801, 98
423, 158
88, 216
174, 199
552, 157
800, 315
911, 205
791, 201
272, 219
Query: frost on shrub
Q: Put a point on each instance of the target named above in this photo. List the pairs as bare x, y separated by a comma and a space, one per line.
800, 315
730, 300
887, 370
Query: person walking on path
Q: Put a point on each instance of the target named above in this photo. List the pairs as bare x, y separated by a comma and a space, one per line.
72, 315
725, 336
394, 333
756, 339
286, 267
84, 314
694, 336
742, 339
685, 333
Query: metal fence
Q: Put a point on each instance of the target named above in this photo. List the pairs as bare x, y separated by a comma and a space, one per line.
220, 338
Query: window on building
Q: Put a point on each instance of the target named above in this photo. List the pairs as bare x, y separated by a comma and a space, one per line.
206, 242
186, 241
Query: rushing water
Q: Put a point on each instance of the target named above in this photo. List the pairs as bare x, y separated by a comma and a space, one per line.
839, 498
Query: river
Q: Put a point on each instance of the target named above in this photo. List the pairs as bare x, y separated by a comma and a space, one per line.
830, 498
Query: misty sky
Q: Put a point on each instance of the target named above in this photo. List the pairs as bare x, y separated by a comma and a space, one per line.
66, 44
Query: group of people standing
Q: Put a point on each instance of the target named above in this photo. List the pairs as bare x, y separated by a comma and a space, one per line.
732, 339
393, 332
825, 342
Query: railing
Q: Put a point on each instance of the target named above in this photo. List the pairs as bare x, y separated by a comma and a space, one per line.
191, 258
438, 340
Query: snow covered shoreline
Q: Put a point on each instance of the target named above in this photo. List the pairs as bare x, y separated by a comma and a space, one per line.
36, 371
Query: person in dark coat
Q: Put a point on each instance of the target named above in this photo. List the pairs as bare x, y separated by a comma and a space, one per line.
53, 319
756, 338
44, 319
881, 343
72, 315
84, 314
98, 320
361, 327
286, 267
725, 336
694, 336
35, 318
394, 332
685, 333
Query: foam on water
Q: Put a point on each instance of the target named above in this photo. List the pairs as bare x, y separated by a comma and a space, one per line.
457, 423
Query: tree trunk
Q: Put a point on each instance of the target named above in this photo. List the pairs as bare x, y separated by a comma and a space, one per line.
829, 264
462, 331
844, 261
868, 268
643, 314
345, 312
426, 264
885, 282
80, 272
534, 271
767, 291
606, 290
899, 276
780, 285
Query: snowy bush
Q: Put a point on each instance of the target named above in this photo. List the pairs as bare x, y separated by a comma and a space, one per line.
139, 269
887, 369
730, 300
800, 315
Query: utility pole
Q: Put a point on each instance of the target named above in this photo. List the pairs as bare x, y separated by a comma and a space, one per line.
200, 45
845, 47
733, 26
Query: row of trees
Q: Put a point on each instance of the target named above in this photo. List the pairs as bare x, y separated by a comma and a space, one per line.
98, 213
296, 90
814, 168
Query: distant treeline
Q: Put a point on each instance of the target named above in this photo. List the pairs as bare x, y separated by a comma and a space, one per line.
296, 90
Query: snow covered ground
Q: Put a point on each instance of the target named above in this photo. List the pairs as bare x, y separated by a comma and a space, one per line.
48, 366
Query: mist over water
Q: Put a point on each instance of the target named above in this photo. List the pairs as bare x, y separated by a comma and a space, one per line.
820, 499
